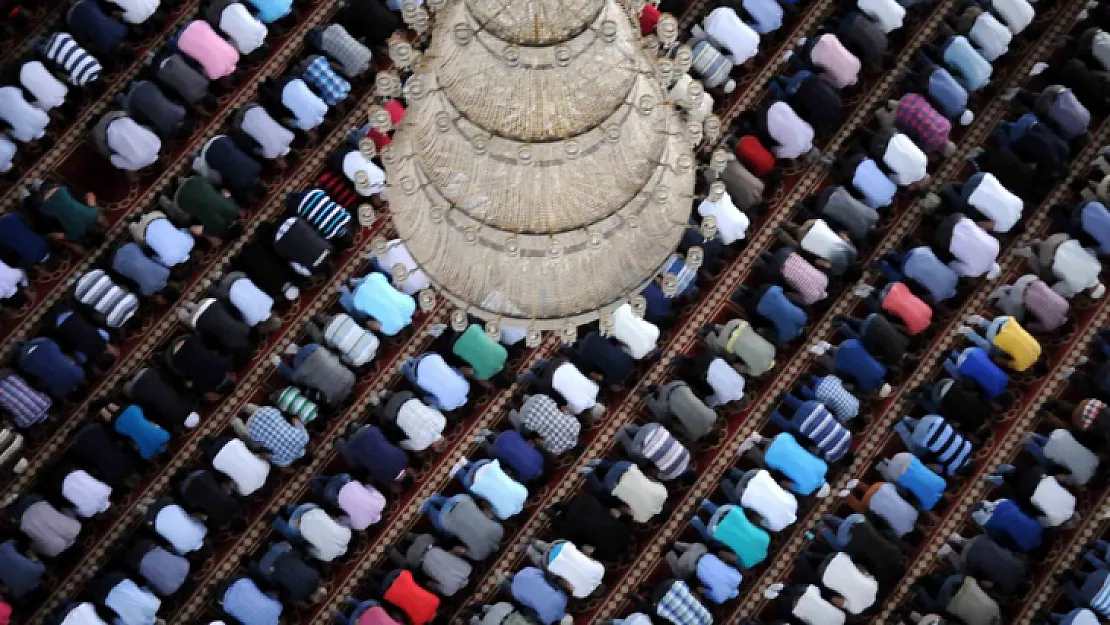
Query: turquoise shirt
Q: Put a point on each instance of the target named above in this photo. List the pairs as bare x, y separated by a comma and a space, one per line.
376, 298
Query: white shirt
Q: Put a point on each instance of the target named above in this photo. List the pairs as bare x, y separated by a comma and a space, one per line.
8, 151
997, 203
355, 162
84, 614
307, 107
974, 249
440, 380
245, 31
822, 242
906, 160
581, 572
991, 36
397, 253
793, 134
270, 135
422, 424
28, 123
732, 223
49, 92
137, 11
888, 14
1018, 14
638, 335
1075, 268
812, 609
1054, 501
777, 508
727, 30
247, 471
253, 304
134, 147
726, 382
579, 391
327, 539
88, 495
183, 532
10, 280
843, 577
700, 109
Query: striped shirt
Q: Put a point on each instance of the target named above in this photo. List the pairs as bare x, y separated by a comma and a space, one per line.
356, 345
19, 399
810, 283
667, 454
353, 57
821, 427
338, 188
96, 290
81, 66
1101, 601
329, 219
933, 434
293, 403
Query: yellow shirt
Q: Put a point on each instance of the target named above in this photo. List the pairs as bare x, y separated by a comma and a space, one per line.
1019, 345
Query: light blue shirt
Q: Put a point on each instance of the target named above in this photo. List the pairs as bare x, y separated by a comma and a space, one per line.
270, 11
877, 190
766, 13
245, 602
960, 55
376, 298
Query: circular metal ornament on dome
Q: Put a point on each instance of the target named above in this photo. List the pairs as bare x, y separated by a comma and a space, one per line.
540, 175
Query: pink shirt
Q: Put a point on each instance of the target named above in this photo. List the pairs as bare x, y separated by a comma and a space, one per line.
841, 66
362, 504
376, 616
217, 57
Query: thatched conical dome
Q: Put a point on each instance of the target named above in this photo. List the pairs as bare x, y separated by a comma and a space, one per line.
539, 175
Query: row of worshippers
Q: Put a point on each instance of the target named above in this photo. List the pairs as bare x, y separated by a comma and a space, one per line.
205, 493
495, 487
819, 565
941, 447
956, 417
161, 401
299, 101
109, 296
96, 32
1034, 503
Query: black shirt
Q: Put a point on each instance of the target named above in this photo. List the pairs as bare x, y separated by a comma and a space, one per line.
107, 459
201, 491
586, 521
597, 354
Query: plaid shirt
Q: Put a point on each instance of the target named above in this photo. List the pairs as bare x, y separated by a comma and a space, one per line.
285, 442
559, 430
922, 123
831, 392
332, 87
1089, 411
681, 607
806, 279
1048, 306
26, 405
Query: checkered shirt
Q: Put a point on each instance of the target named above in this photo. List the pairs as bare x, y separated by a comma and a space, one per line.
559, 430
831, 392
26, 405
285, 442
681, 607
1048, 306
1091, 409
332, 87
922, 123
806, 279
